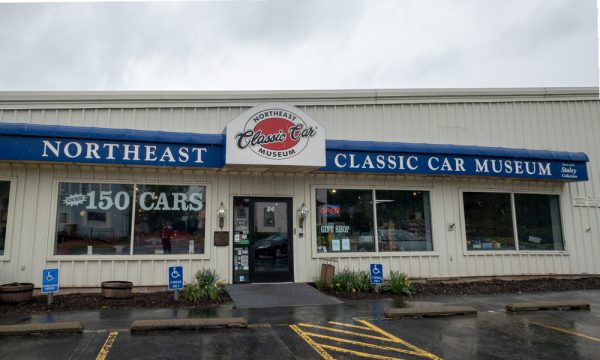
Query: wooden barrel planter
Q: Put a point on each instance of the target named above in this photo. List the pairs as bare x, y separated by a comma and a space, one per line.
117, 289
16, 292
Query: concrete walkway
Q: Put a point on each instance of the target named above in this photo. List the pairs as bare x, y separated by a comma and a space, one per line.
277, 295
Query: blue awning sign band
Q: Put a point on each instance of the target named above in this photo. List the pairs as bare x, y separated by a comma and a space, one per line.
461, 150
467, 165
110, 146
27, 142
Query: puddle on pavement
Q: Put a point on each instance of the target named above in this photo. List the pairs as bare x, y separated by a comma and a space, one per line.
202, 312
402, 303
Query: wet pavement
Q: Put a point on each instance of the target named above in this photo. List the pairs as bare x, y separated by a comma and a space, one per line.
351, 330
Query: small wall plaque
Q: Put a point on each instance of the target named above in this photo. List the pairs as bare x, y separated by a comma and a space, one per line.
221, 238
586, 201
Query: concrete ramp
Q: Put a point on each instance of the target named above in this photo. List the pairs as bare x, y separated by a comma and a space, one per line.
277, 295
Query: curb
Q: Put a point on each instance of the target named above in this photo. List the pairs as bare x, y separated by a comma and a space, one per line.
41, 328
430, 311
548, 305
188, 324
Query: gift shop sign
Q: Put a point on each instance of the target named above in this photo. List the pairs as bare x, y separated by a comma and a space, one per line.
275, 134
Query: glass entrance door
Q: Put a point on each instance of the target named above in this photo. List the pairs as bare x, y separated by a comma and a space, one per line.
268, 231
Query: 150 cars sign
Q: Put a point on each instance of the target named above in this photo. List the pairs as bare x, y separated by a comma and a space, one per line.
275, 134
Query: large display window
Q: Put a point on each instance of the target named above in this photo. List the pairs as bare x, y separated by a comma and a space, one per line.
345, 220
93, 219
97, 219
488, 221
512, 221
403, 220
169, 219
538, 222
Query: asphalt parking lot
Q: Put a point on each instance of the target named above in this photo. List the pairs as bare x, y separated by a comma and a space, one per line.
353, 330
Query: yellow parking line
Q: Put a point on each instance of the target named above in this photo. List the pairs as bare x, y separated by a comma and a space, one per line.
346, 332
566, 331
349, 325
324, 354
321, 348
360, 343
398, 340
107, 345
359, 353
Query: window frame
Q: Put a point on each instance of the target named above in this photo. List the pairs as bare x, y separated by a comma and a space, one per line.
387, 254
10, 216
51, 256
517, 250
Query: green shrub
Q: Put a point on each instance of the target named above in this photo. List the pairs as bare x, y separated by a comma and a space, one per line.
399, 283
206, 285
352, 281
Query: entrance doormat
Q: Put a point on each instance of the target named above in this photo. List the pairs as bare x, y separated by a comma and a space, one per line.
277, 295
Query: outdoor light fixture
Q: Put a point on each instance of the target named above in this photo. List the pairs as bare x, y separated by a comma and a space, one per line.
221, 213
302, 215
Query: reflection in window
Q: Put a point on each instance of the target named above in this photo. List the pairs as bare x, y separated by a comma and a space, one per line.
344, 220
169, 219
93, 219
538, 222
403, 220
4, 194
488, 221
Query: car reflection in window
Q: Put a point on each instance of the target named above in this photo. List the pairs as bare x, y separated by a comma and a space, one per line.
274, 246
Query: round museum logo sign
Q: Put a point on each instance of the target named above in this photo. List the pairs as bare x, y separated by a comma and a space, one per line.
275, 134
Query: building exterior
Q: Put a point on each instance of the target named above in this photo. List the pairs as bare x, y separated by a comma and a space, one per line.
267, 186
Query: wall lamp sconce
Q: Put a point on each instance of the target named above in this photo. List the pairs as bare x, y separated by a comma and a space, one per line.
302, 215
221, 214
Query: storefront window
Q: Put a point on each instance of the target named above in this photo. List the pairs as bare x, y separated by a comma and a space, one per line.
4, 194
403, 220
93, 219
169, 219
344, 220
538, 222
488, 221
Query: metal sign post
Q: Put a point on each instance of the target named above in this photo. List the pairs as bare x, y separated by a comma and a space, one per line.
49, 283
376, 275
175, 280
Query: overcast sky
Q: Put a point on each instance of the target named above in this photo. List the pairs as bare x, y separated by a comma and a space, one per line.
259, 45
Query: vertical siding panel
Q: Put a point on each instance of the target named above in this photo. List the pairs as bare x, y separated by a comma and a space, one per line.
582, 111
27, 234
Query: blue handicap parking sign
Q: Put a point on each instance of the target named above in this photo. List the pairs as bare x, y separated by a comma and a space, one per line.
49, 281
175, 277
376, 274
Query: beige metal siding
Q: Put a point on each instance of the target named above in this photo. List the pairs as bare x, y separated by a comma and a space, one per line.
551, 125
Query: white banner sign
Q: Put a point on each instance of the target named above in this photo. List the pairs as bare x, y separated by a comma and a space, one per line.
275, 134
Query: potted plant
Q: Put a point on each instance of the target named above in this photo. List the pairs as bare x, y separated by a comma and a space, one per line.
116, 289
16, 292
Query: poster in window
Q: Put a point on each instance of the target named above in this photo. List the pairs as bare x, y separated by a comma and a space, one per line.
269, 213
345, 244
335, 245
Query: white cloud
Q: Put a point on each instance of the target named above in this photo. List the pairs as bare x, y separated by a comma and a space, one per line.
298, 45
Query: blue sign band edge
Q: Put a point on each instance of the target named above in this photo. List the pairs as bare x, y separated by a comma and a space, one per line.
22, 142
